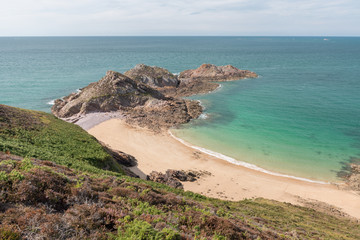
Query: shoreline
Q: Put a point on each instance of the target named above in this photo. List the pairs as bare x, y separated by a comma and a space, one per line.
244, 164
161, 151
235, 161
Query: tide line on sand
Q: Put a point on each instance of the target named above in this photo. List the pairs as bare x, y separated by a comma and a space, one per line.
240, 163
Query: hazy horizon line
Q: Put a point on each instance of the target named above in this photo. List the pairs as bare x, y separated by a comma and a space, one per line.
183, 36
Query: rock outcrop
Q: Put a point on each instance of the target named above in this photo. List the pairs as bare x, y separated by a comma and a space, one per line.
354, 178
164, 114
203, 79
147, 96
140, 103
210, 72
189, 88
153, 76
189, 82
173, 178
120, 157
165, 179
113, 92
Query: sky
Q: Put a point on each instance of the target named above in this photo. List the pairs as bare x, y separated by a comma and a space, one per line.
180, 18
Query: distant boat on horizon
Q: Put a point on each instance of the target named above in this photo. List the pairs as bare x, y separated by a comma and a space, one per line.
325, 39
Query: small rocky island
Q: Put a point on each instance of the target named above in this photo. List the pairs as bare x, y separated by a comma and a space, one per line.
148, 96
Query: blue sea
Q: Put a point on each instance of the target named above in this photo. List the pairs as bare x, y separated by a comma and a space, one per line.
301, 117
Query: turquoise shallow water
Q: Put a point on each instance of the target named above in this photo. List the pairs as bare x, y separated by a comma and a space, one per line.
300, 117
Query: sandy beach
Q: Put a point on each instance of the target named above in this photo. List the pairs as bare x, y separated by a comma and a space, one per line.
160, 152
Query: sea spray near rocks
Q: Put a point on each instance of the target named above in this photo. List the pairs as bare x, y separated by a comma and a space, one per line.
52, 102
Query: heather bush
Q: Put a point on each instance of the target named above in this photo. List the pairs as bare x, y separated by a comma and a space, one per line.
41, 186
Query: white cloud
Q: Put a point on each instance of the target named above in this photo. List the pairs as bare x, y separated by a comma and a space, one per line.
180, 17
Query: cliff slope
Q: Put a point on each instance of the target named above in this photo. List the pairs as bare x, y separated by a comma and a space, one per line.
79, 199
41, 135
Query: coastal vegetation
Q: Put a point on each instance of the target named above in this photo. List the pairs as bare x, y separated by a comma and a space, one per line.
43, 136
58, 182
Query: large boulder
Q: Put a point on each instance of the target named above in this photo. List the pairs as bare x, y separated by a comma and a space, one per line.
153, 76
210, 72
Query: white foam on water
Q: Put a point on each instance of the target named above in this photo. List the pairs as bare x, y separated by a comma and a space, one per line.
243, 164
52, 102
202, 105
203, 116
217, 89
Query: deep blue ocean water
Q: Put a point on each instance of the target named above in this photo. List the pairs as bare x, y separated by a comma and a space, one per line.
300, 117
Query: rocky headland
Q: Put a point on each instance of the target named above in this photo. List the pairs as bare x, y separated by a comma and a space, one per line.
147, 96
139, 103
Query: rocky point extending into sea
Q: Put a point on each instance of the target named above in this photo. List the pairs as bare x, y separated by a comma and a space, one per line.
148, 96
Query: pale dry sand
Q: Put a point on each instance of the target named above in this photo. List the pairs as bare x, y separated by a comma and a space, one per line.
160, 152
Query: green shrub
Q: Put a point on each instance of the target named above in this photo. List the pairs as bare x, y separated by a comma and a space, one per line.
6, 234
3, 176
141, 230
145, 207
11, 163
169, 234
219, 237
26, 164
16, 175
137, 230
